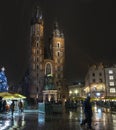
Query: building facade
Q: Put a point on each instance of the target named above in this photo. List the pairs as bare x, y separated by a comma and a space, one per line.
100, 81
76, 91
110, 76
46, 72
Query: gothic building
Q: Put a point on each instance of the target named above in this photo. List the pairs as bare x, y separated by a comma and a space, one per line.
45, 73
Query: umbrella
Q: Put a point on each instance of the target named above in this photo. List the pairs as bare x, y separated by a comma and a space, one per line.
19, 96
9, 97
13, 96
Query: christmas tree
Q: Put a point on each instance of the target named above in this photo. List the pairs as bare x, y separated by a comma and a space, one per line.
3, 81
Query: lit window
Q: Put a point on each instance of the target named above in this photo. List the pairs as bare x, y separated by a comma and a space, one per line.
112, 90
111, 83
110, 71
111, 77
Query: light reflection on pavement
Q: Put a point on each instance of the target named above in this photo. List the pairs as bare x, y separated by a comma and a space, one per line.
70, 120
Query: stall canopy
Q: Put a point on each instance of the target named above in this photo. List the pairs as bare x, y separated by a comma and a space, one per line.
12, 96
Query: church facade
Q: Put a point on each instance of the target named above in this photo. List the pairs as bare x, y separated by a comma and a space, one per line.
46, 72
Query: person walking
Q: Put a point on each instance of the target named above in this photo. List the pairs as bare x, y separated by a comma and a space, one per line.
20, 106
87, 108
12, 108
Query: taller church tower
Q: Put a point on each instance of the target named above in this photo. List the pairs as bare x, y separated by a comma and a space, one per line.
37, 53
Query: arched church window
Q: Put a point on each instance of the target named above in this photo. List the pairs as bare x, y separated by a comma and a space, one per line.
37, 51
58, 45
48, 69
37, 59
37, 67
37, 44
58, 53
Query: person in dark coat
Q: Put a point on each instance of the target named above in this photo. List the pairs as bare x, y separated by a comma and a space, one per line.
87, 107
12, 106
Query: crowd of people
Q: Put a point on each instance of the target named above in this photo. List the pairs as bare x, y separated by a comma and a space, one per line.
6, 107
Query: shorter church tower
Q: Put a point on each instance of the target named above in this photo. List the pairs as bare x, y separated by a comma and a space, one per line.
58, 47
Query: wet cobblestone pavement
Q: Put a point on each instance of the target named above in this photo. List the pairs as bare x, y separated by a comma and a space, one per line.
69, 120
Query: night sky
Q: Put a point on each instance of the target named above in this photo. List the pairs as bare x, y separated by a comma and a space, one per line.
89, 28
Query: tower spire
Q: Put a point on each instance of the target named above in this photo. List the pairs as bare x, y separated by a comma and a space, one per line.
37, 15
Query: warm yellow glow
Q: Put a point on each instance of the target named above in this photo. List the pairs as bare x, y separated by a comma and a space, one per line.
87, 89
98, 86
76, 91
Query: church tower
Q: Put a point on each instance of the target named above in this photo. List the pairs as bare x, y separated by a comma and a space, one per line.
37, 53
58, 49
